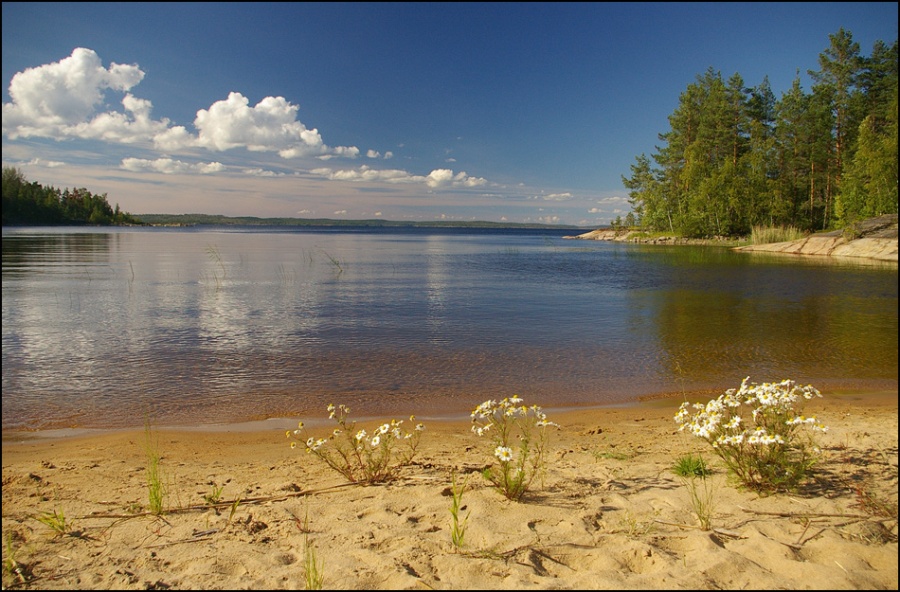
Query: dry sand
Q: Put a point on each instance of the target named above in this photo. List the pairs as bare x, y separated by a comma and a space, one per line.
611, 513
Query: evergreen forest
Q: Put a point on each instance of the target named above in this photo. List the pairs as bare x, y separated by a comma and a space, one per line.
27, 203
736, 158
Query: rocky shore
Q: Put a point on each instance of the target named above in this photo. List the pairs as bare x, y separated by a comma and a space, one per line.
875, 238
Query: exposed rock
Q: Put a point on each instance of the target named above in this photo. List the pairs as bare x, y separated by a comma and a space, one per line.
631, 236
875, 238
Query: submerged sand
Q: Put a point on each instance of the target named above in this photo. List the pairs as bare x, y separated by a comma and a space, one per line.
611, 513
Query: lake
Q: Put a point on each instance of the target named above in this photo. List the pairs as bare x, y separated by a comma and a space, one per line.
103, 328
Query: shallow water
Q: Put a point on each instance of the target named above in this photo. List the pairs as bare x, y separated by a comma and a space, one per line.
105, 327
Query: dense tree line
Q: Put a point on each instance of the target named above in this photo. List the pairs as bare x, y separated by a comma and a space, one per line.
736, 157
33, 204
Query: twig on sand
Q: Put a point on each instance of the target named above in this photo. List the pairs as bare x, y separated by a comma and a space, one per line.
803, 514
225, 504
196, 537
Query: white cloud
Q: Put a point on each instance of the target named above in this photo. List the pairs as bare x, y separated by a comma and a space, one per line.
49, 100
365, 173
50, 164
613, 200
119, 127
174, 138
558, 197
270, 125
376, 154
445, 177
168, 166
435, 179
341, 151
258, 172
63, 100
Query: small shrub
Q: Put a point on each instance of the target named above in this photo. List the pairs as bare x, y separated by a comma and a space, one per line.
358, 456
757, 433
691, 466
56, 520
215, 495
516, 464
16, 570
702, 496
693, 473
156, 489
457, 527
313, 567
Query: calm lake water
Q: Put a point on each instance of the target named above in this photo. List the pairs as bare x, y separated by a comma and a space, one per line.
104, 327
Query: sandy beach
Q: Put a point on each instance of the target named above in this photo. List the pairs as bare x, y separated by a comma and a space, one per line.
610, 513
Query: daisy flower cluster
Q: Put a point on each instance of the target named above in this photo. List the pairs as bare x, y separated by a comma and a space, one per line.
359, 456
756, 431
519, 437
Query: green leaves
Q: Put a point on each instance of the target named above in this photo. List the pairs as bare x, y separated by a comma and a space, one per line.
735, 157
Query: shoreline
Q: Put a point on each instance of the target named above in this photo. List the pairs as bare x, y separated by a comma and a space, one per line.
874, 239
649, 401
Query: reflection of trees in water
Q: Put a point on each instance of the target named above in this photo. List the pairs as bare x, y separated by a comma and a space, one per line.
716, 334
24, 250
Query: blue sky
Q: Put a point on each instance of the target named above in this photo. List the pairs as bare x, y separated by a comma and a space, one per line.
413, 111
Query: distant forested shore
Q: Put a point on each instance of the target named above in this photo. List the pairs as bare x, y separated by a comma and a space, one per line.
31, 204
735, 158
219, 220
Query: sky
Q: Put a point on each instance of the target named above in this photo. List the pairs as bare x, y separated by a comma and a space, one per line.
502, 112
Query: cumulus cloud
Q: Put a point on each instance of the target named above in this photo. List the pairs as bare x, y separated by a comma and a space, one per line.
125, 128
365, 173
340, 151
376, 154
52, 99
174, 138
270, 125
169, 167
445, 177
64, 99
258, 172
435, 179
